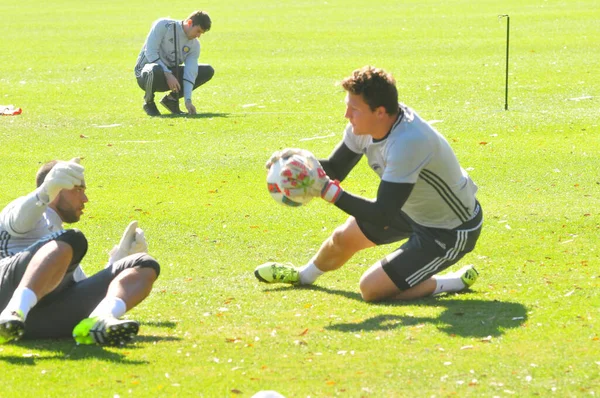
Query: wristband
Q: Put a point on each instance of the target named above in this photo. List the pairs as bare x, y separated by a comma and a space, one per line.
332, 191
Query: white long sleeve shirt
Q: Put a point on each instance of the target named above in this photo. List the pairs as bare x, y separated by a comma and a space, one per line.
159, 48
25, 221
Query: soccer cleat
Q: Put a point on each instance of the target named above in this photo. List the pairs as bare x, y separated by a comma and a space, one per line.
12, 326
151, 109
105, 331
171, 104
468, 274
277, 273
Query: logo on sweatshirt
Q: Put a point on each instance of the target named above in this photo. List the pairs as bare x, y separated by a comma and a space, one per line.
186, 49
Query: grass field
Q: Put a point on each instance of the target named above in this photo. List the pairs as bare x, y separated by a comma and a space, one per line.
529, 327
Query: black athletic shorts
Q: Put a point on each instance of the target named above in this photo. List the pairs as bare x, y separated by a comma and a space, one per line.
57, 313
427, 251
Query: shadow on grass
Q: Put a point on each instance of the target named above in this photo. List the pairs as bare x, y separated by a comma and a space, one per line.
461, 317
66, 349
44, 350
161, 324
206, 115
466, 318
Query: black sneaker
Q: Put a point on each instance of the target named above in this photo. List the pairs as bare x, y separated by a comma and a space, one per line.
151, 109
171, 104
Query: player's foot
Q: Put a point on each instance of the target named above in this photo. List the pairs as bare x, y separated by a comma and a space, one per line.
277, 273
151, 109
171, 104
12, 326
468, 274
105, 331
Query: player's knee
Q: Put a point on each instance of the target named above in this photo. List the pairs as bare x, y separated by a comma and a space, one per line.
78, 242
208, 72
148, 262
341, 240
367, 291
205, 73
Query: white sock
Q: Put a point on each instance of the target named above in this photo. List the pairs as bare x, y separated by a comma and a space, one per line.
309, 273
110, 306
448, 283
23, 299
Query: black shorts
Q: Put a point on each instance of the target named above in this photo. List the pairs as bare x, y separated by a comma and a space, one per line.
57, 313
427, 252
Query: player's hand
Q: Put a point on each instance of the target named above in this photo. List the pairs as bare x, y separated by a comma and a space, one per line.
309, 179
286, 153
64, 175
133, 241
172, 82
190, 107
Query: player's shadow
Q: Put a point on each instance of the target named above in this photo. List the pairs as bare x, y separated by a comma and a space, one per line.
205, 115
466, 318
461, 317
65, 349
44, 350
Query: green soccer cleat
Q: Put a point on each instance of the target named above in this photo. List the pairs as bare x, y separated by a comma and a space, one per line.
277, 273
468, 274
12, 327
105, 331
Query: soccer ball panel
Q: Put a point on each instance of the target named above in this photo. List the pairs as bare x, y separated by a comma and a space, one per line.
274, 185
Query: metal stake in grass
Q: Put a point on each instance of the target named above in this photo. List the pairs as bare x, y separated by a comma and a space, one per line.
506, 81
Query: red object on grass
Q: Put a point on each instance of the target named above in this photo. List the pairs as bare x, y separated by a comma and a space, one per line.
9, 110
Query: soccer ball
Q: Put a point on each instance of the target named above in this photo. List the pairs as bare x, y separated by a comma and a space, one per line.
274, 184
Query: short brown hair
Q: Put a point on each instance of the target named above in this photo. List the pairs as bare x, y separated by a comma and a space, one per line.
200, 18
376, 86
43, 172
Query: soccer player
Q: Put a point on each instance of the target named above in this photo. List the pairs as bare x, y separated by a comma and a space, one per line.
158, 68
423, 196
43, 291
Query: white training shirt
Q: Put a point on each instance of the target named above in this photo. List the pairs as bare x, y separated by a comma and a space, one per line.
159, 48
23, 223
414, 152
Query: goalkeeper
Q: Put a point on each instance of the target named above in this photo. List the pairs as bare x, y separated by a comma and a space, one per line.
44, 293
424, 197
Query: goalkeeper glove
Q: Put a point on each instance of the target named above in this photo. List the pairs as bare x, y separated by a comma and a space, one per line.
64, 175
133, 241
286, 153
309, 179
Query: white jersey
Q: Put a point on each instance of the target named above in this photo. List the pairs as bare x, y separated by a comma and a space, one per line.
414, 152
159, 48
23, 222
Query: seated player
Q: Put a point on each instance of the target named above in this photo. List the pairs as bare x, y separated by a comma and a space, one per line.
43, 291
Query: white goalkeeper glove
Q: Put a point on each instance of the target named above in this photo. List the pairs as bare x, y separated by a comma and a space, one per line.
286, 153
309, 179
133, 241
64, 175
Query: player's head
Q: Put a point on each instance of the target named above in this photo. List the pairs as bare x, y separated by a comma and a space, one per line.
196, 24
376, 87
69, 203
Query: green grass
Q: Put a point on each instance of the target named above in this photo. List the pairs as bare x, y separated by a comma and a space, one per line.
530, 325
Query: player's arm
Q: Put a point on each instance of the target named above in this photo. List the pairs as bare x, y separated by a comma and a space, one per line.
190, 72
22, 214
341, 161
153, 41
391, 196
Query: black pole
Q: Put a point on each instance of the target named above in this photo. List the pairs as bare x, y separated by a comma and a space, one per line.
507, 41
